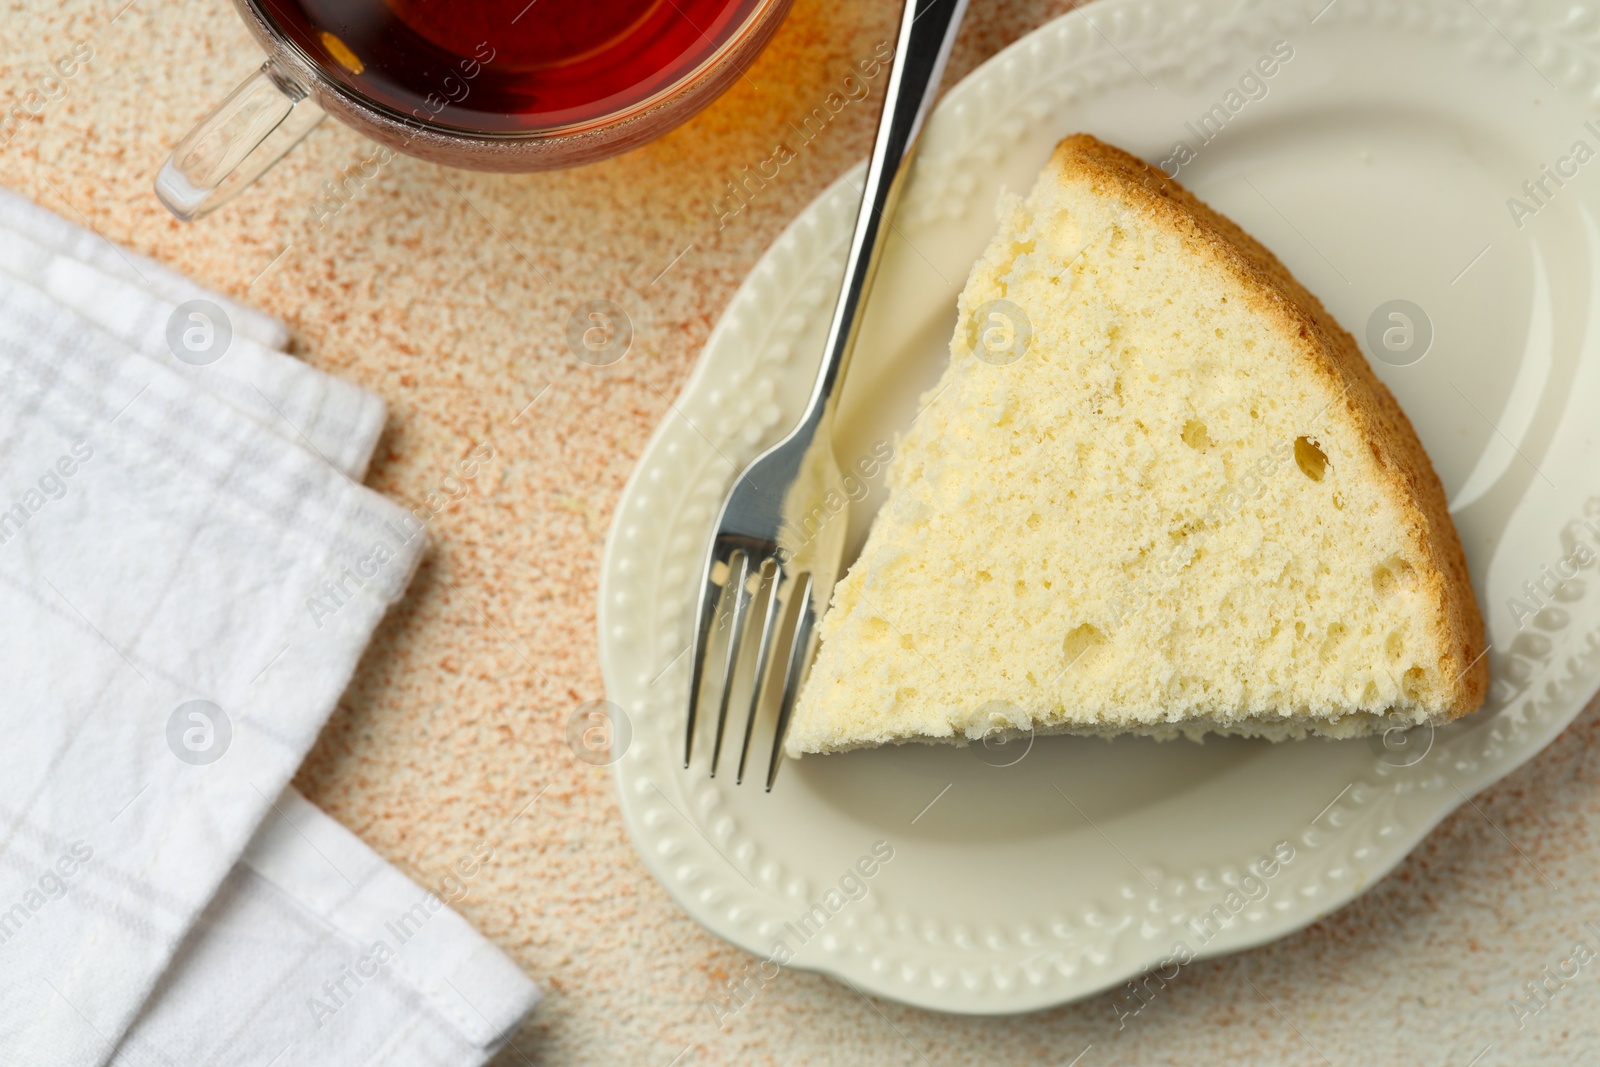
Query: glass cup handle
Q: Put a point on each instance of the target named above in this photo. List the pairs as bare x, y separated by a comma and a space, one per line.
263, 118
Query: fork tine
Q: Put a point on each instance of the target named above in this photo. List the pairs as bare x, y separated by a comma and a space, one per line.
771, 580
799, 656
738, 576
704, 619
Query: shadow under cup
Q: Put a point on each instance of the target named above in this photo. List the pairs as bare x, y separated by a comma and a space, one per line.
499, 85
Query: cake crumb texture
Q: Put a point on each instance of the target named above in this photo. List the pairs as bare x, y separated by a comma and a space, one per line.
1157, 490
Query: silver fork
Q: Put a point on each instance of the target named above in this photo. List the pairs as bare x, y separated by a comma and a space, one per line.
745, 573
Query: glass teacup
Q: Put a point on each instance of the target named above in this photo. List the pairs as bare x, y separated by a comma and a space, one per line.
502, 85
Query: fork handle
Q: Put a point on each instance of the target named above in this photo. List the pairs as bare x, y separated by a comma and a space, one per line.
919, 58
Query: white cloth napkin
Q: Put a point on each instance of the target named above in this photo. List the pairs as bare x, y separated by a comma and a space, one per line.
163, 528
316, 953
21, 217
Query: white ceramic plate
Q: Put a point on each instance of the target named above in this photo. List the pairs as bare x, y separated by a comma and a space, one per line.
1377, 162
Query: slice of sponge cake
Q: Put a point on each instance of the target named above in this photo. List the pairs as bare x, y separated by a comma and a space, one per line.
1158, 490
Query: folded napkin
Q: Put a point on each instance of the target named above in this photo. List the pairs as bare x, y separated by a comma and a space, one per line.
22, 218
189, 571
316, 953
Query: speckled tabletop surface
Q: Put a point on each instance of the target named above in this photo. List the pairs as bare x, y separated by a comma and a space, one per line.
448, 293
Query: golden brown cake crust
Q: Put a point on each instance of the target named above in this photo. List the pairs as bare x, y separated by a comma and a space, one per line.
1333, 353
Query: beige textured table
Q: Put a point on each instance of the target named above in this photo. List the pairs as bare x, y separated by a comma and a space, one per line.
448, 293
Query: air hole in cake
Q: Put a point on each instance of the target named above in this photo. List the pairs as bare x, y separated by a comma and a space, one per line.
1194, 435
1393, 573
1382, 580
1412, 682
1034, 520
1394, 645
1081, 643
1331, 643
1312, 461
